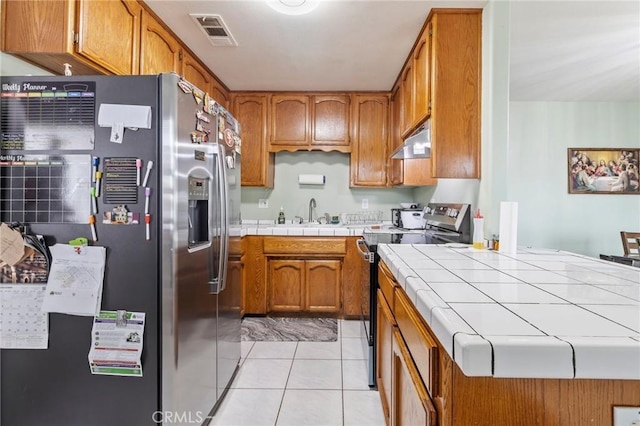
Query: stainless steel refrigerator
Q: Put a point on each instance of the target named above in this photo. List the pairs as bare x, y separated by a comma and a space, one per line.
56, 133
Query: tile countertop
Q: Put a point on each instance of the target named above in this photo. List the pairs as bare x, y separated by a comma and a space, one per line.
532, 314
268, 227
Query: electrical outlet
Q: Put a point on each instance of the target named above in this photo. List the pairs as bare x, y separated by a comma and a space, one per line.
626, 416
365, 203
263, 203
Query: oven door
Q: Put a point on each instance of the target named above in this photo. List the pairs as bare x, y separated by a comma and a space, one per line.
368, 306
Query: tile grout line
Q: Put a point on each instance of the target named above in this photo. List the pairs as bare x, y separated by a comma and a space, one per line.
284, 391
341, 370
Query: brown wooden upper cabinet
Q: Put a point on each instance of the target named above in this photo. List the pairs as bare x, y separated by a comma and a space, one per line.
456, 92
220, 94
330, 121
309, 122
408, 98
369, 153
441, 82
289, 122
421, 74
93, 36
258, 165
160, 51
196, 73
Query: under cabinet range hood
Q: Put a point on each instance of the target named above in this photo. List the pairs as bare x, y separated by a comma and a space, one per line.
418, 145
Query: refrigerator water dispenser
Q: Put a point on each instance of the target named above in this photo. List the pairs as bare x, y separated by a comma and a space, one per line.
198, 212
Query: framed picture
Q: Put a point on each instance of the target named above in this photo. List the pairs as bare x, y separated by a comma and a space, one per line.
603, 170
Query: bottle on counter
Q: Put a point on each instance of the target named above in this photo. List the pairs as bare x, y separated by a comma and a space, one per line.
281, 218
478, 231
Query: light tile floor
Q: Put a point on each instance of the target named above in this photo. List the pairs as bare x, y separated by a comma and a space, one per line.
303, 383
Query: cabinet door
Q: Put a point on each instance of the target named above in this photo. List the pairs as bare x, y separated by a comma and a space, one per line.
406, 111
370, 140
323, 284
395, 135
384, 354
108, 34
286, 285
421, 75
411, 404
258, 165
289, 122
160, 51
221, 95
195, 73
256, 273
330, 121
456, 93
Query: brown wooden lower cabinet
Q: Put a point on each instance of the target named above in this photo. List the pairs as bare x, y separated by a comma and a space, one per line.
286, 282
323, 284
404, 397
384, 351
255, 276
303, 274
304, 285
411, 404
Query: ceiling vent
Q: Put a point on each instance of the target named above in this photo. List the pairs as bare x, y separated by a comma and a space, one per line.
215, 29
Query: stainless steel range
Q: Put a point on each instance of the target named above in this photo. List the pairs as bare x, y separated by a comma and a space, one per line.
444, 223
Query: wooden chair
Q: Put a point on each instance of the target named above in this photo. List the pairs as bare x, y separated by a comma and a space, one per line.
631, 243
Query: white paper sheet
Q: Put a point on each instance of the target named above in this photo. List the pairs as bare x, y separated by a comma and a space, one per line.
116, 343
22, 324
75, 281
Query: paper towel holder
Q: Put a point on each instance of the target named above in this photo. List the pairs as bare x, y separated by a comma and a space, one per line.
312, 179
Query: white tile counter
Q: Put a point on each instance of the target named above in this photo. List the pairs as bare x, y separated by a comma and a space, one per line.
532, 314
268, 227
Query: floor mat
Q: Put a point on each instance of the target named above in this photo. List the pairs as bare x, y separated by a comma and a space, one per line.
281, 329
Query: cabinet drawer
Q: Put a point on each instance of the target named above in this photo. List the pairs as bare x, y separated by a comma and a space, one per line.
386, 283
304, 246
421, 344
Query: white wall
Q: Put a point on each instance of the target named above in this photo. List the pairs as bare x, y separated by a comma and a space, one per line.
10, 65
536, 171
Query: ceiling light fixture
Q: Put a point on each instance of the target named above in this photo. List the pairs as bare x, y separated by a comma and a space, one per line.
293, 7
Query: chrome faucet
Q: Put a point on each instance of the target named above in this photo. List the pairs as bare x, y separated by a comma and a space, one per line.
312, 205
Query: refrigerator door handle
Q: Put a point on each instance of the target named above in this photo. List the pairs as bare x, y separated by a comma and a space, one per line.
224, 220
217, 284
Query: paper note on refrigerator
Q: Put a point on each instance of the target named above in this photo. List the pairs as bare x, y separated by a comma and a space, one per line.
75, 280
116, 343
22, 324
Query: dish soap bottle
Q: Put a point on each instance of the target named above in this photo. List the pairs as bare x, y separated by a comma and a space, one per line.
281, 216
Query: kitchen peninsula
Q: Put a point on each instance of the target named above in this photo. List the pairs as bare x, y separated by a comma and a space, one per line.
534, 337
